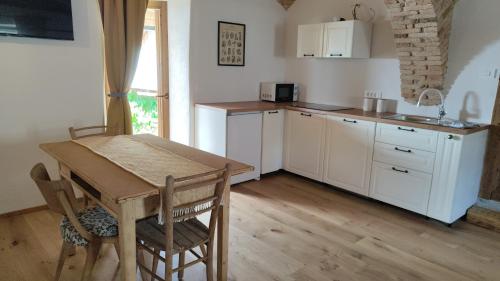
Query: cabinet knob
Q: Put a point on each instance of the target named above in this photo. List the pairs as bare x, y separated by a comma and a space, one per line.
350, 121
450, 137
400, 171
404, 129
402, 150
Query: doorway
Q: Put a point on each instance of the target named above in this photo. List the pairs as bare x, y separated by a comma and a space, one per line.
148, 96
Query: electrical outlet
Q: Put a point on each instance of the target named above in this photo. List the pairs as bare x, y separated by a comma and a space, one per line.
369, 94
373, 94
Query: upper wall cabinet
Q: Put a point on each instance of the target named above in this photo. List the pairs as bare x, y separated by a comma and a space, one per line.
342, 39
310, 40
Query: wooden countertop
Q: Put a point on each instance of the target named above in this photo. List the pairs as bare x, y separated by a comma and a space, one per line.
245, 106
248, 106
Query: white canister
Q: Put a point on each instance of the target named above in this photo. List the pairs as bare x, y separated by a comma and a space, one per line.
381, 105
368, 104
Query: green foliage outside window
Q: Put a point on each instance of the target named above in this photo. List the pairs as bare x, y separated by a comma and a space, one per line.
144, 113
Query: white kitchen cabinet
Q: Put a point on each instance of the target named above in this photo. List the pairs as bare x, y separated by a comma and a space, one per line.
407, 136
342, 39
304, 146
235, 136
273, 127
310, 40
411, 158
349, 152
429, 172
347, 39
457, 175
402, 187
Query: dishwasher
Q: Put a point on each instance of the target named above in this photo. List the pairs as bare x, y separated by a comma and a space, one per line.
244, 142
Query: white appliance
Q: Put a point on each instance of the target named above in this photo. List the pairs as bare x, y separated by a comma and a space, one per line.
244, 139
237, 136
279, 92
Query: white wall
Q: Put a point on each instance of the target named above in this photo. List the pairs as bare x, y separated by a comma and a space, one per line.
179, 19
46, 86
474, 49
265, 61
265, 21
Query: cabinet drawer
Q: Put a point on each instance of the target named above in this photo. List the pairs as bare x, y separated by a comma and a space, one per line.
401, 187
407, 136
404, 157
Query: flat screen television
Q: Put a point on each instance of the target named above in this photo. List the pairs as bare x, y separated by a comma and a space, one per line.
50, 19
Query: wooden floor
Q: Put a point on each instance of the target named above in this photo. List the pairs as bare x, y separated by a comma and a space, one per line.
288, 228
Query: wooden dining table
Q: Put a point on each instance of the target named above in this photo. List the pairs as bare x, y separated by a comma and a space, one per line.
130, 198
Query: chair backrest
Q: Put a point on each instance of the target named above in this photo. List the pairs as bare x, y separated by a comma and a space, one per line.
49, 189
218, 178
59, 196
77, 133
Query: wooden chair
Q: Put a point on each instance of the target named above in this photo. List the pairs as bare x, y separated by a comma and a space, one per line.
78, 133
184, 232
90, 227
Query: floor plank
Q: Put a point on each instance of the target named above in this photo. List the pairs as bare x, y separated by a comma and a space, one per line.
285, 227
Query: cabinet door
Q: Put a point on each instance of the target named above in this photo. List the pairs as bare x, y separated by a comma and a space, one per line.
305, 138
310, 40
401, 187
445, 176
338, 39
349, 152
273, 125
244, 142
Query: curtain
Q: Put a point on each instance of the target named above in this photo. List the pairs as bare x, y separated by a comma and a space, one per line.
123, 25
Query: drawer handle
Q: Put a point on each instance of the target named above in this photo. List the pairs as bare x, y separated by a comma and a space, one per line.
404, 129
402, 150
306, 55
335, 55
306, 114
273, 112
450, 137
350, 121
401, 171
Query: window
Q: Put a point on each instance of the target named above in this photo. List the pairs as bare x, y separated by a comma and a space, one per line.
148, 95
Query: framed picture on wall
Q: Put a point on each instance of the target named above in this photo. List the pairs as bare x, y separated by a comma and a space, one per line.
231, 49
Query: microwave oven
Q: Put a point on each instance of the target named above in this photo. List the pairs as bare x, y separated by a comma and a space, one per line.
279, 92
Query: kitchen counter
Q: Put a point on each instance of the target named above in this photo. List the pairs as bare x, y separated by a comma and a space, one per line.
235, 107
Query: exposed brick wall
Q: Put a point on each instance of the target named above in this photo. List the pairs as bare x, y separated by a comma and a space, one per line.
421, 33
286, 3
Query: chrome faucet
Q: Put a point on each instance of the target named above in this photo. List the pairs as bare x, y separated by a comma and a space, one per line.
442, 110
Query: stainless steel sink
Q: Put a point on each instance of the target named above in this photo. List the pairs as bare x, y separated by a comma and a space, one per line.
413, 119
432, 121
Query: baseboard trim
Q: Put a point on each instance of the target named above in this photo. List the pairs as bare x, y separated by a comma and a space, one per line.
24, 211
31, 210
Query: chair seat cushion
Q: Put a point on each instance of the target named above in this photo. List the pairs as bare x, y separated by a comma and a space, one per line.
95, 219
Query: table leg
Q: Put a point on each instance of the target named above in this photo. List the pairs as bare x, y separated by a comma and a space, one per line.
126, 222
223, 237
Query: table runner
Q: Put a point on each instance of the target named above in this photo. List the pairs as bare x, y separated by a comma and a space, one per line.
150, 163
